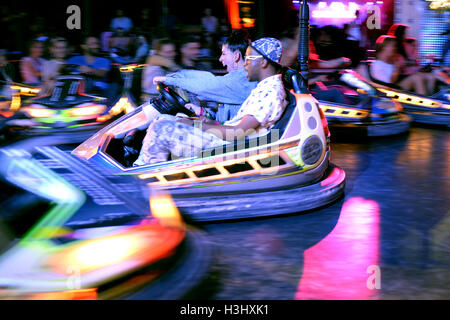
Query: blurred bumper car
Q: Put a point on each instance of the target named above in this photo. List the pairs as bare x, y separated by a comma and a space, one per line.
72, 233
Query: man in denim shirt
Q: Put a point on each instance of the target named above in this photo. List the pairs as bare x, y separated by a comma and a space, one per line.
229, 91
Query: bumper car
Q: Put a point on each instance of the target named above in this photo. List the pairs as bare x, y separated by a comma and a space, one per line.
432, 110
286, 170
12, 96
354, 107
69, 232
67, 111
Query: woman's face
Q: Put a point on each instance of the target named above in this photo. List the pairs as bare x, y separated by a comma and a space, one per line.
37, 50
390, 49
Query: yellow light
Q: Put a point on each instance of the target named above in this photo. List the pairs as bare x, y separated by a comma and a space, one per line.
87, 111
122, 105
97, 254
344, 112
39, 112
410, 99
164, 209
26, 90
130, 68
15, 102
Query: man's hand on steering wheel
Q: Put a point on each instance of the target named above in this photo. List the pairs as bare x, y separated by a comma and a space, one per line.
176, 102
158, 79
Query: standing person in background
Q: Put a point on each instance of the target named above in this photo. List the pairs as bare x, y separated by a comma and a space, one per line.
121, 21
209, 22
31, 66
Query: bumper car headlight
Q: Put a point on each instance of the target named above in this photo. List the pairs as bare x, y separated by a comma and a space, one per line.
92, 110
39, 112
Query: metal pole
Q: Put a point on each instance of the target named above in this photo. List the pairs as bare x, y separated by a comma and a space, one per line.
303, 46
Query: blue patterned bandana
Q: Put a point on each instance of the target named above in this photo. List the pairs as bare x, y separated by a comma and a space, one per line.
270, 48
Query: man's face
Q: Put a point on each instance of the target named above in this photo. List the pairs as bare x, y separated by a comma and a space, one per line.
92, 45
59, 49
191, 50
168, 51
253, 62
227, 58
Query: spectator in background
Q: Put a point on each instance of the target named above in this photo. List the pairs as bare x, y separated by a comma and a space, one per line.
120, 21
92, 67
353, 31
158, 64
190, 53
209, 22
120, 45
143, 49
31, 66
53, 68
6, 69
6, 75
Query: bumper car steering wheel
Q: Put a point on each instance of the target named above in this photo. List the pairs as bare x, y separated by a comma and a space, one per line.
176, 102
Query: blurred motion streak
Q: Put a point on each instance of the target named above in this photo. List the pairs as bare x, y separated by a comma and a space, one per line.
336, 267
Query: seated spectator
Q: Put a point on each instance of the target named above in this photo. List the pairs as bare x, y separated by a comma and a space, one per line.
92, 67
120, 21
178, 137
31, 66
53, 68
158, 64
228, 91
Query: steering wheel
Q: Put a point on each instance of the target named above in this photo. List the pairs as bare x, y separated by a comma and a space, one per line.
175, 101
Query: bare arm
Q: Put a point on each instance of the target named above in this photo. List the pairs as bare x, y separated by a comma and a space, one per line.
248, 125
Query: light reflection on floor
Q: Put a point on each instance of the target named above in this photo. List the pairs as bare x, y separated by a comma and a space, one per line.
395, 215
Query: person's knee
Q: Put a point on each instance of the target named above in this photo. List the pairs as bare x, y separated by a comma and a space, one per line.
163, 126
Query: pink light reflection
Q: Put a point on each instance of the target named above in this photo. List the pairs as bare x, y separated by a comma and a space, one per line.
336, 267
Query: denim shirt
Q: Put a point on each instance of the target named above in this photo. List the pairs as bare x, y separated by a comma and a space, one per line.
230, 90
